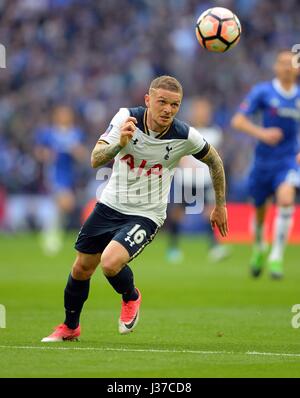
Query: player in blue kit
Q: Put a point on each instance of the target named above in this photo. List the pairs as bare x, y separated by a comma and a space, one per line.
275, 169
58, 147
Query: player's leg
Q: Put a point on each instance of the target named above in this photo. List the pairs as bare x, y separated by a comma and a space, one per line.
78, 285
285, 198
62, 204
260, 189
49, 219
65, 201
128, 243
175, 213
114, 266
75, 294
175, 216
258, 256
91, 242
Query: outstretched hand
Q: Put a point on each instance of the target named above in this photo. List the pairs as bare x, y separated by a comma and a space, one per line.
219, 218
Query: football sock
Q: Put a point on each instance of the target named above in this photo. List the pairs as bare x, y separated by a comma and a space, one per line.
282, 226
51, 231
123, 284
259, 236
210, 234
174, 234
76, 293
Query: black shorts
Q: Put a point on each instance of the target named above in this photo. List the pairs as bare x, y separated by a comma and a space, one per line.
105, 224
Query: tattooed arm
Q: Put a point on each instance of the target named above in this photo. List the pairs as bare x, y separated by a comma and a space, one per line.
216, 170
219, 214
104, 152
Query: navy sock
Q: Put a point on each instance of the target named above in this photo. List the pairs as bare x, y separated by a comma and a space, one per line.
123, 284
76, 293
210, 234
174, 228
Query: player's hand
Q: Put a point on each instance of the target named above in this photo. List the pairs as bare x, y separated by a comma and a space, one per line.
271, 136
298, 158
127, 131
219, 218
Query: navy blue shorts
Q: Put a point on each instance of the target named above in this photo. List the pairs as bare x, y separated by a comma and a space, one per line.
106, 224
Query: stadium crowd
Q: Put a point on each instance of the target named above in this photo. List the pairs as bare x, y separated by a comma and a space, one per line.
96, 56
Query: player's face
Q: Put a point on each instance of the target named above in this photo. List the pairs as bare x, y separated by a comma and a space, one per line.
63, 116
163, 106
283, 67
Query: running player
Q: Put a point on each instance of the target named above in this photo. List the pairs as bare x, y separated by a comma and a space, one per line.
58, 147
147, 144
274, 170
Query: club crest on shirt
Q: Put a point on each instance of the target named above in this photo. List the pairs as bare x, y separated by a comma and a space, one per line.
168, 149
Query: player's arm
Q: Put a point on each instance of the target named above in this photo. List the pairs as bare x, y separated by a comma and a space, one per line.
215, 164
253, 103
105, 152
270, 136
42, 146
80, 152
207, 154
216, 170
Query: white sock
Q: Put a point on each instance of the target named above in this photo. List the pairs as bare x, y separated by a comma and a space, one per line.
282, 227
51, 229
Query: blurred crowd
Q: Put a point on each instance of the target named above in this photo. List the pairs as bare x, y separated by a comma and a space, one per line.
96, 55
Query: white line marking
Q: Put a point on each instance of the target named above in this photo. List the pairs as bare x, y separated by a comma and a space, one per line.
280, 354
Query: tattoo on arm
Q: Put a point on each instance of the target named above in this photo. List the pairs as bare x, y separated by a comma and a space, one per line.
103, 153
216, 169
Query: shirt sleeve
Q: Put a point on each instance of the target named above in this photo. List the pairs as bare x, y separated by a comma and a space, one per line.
112, 134
253, 101
195, 142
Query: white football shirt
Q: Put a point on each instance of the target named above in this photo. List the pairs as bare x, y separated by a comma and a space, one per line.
143, 170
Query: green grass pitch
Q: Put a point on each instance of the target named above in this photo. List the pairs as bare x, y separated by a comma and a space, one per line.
198, 319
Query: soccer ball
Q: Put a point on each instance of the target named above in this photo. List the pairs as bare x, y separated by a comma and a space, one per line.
218, 29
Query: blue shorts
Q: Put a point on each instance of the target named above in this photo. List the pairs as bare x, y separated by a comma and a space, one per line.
263, 183
106, 224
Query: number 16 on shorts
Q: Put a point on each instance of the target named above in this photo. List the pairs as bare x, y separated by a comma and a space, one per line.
135, 235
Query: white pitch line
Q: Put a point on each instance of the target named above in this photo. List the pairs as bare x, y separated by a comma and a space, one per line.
280, 354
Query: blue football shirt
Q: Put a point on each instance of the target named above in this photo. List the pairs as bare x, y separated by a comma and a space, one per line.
61, 171
278, 108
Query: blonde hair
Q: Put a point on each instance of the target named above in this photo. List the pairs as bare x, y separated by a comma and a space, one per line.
167, 83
